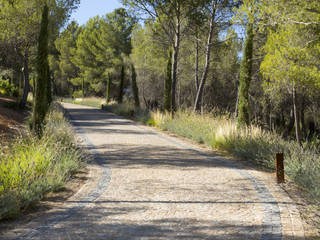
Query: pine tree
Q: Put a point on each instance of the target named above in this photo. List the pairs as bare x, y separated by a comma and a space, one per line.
245, 79
122, 76
40, 105
135, 89
167, 85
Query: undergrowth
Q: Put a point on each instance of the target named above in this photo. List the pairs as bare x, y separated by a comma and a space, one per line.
30, 168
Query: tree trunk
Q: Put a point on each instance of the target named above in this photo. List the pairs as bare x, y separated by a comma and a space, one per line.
296, 115
175, 60
301, 115
26, 87
108, 85
196, 71
237, 103
120, 97
168, 84
135, 89
290, 124
197, 104
49, 87
82, 86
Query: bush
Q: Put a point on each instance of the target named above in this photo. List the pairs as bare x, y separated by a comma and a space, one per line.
8, 89
77, 94
30, 167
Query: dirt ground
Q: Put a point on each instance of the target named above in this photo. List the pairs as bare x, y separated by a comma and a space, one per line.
11, 119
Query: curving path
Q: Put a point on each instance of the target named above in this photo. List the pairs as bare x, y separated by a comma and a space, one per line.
146, 185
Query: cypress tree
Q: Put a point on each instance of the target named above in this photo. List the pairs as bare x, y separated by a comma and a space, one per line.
49, 87
245, 79
135, 89
167, 85
122, 76
108, 85
40, 104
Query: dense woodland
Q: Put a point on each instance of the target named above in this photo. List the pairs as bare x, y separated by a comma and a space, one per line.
254, 60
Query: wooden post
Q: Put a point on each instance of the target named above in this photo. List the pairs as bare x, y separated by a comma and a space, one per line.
279, 168
131, 114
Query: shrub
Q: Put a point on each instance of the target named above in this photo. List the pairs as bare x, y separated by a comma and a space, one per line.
8, 89
30, 167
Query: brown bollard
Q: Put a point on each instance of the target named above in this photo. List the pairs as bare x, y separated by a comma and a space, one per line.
279, 168
131, 114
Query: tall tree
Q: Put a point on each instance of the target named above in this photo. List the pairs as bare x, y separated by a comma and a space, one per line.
150, 56
248, 13
121, 86
65, 72
20, 24
40, 105
170, 15
167, 84
134, 86
292, 49
245, 78
108, 86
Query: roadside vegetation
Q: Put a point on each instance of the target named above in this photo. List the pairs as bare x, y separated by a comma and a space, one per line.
31, 167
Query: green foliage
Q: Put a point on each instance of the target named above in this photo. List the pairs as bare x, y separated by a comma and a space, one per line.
42, 93
101, 46
8, 89
289, 58
77, 94
135, 89
32, 167
245, 79
149, 56
65, 72
167, 84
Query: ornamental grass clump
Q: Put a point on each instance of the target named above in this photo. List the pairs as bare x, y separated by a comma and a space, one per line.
32, 167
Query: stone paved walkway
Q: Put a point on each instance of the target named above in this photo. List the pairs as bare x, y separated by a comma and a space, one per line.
146, 185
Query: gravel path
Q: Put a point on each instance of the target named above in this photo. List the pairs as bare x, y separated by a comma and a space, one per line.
144, 184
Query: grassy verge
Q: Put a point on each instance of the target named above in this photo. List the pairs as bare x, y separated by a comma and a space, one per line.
30, 168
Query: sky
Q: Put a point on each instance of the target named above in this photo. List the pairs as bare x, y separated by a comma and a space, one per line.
91, 8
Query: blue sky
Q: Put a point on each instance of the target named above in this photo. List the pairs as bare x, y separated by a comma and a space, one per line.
91, 8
